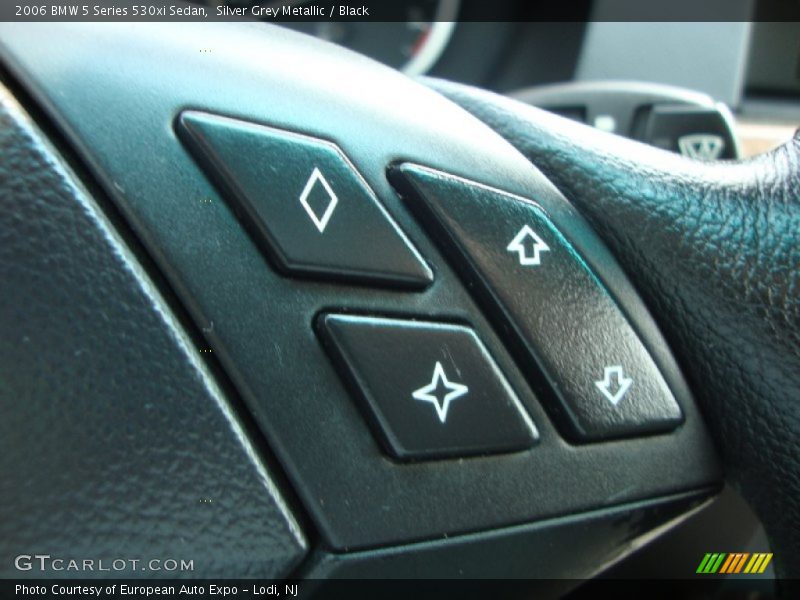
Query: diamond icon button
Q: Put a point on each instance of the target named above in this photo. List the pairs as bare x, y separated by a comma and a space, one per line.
321, 222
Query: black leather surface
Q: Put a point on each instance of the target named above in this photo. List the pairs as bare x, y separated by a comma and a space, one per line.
115, 443
259, 322
715, 251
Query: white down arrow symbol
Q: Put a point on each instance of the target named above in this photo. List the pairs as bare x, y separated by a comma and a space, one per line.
613, 390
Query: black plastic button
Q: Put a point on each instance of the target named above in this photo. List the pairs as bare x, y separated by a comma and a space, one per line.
304, 199
560, 315
696, 132
431, 390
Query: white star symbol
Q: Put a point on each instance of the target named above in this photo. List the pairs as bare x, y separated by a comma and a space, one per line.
427, 393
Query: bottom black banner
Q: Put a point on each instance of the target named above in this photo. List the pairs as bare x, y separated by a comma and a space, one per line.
694, 589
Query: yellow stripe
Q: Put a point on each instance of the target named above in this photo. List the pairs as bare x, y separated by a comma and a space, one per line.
727, 562
749, 567
765, 563
757, 564
741, 562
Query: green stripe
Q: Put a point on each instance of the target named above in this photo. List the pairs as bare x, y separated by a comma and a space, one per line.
718, 563
701, 568
711, 562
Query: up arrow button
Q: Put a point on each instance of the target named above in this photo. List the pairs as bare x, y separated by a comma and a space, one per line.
528, 246
556, 314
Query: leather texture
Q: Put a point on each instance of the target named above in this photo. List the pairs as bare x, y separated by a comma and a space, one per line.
714, 249
115, 442
259, 322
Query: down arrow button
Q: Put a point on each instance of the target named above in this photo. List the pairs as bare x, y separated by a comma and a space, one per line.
558, 317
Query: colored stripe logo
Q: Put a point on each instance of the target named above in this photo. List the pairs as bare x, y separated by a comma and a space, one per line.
734, 562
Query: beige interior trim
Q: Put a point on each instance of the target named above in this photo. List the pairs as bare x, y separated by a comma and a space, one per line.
756, 137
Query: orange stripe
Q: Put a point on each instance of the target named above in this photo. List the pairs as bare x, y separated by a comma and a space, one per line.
741, 562
727, 562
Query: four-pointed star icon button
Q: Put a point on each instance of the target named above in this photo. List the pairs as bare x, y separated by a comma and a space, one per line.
440, 399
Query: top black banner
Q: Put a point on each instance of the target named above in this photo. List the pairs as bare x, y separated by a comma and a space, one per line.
402, 10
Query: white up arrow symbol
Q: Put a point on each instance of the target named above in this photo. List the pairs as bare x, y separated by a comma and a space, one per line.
524, 240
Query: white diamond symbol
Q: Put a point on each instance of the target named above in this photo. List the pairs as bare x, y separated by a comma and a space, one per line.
317, 177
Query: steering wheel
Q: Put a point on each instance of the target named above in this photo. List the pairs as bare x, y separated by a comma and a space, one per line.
713, 250
240, 265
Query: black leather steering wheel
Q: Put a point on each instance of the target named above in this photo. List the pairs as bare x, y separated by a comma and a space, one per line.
711, 248
714, 250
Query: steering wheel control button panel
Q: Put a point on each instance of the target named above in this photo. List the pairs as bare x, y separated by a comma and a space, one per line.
430, 390
562, 321
305, 202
